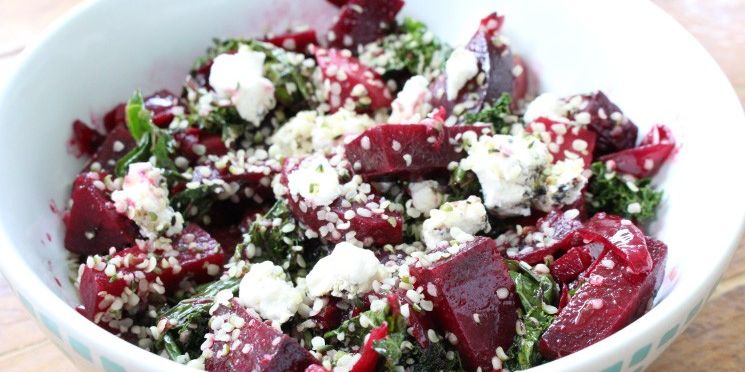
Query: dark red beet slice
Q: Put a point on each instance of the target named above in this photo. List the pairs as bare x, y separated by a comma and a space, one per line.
116, 117
330, 317
85, 140
418, 322
315, 368
93, 224
560, 139
193, 143
368, 356
646, 159
342, 73
467, 302
338, 3
117, 144
621, 236
406, 151
196, 253
555, 227
261, 347
362, 21
571, 264
610, 298
164, 105
615, 131
495, 62
295, 41
370, 229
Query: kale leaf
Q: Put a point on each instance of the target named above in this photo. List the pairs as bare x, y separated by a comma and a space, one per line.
151, 140
499, 115
463, 183
611, 192
356, 328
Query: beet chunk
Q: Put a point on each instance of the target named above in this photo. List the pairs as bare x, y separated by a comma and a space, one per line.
610, 298
615, 131
193, 143
467, 303
368, 356
621, 236
381, 152
550, 235
117, 144
571, 264
116, 117
93, 224
146, 274
295, 41
85, 140
574, 140
646, 159
362, 21
261, 347
495, 64
350, 84
164, 105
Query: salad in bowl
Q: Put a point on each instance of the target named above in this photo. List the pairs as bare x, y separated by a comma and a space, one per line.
368, 199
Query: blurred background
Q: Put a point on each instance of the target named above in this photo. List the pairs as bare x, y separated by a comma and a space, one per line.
712, 342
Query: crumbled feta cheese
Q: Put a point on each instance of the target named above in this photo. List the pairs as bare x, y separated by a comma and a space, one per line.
240, 77
563, 183
144, 199
457, 220
315, 180
508, 168
412, 103
461, 67
308, 131
425, 196
547, 105
265, 289
349, 270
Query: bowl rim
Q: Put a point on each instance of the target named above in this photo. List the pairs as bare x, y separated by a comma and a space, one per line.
23, 280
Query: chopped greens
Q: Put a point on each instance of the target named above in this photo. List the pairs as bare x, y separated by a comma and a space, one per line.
355, 329
613, 193
151, 140
463, 183
499, 115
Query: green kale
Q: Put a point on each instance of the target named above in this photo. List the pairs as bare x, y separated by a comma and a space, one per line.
390, 348
187, 320
433, 358
499, 115
356, 328
413, 49
611, 192
538, 293
151, 140
463, 183
193, 203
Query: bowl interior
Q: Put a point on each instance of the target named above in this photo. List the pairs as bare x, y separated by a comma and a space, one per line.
649, 67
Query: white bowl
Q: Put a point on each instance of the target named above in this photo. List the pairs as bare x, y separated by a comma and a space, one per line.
103, 50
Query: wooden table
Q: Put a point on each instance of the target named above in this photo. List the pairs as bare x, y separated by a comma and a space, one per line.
711, 342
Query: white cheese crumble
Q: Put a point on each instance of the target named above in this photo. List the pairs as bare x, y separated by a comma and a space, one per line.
144, 199
546, 105
315, 180
457, 220
240, 77
266, 290
308, 131
563, 183
425, 196
412, 104
461, 67
348, 271
508, 168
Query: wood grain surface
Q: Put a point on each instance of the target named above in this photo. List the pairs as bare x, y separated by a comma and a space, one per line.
711, 343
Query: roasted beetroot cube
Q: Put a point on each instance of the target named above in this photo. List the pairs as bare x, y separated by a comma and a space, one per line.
418, 322
614, 130
116, 117
495, 64
368, 356
619, 235
117, 144
338, 3
330, 316
85, 140
315, 368
149, 272
371, 223
563, 141
193, 143
646, 159
164, 105
295, 41
571, 264
405, 151
258, 347
363, 21
348, 83
610, 298
93, 224
530, 246
475, 300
